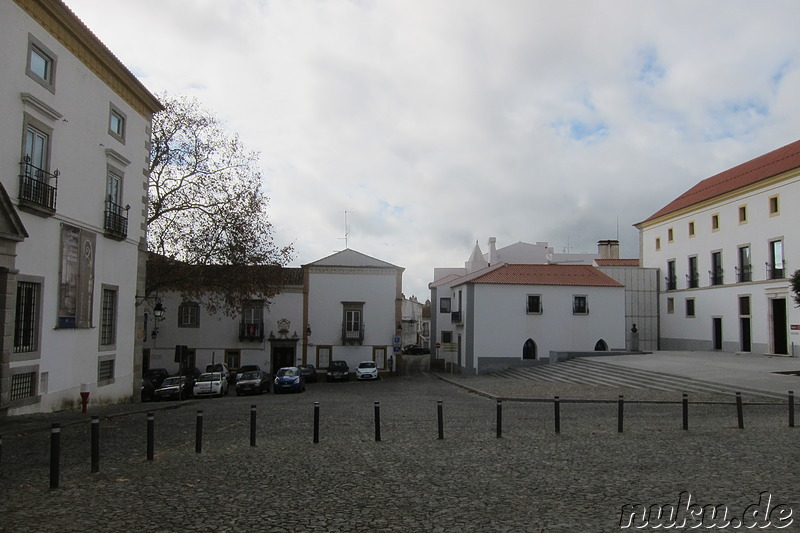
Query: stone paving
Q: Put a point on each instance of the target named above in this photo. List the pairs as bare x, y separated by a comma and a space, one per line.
529, 480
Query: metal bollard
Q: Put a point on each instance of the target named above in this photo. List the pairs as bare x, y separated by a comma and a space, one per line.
252, 425
499, 419
1, 451
55, 453
377, 422
441, 419
95, 444
791, 410
316, 422
557, 412
198, 433
685, 411
151, 433
619, 413
739, 413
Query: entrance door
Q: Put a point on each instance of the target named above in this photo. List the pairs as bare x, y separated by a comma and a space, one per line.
717, 332
744, 325
282, 356
779, 332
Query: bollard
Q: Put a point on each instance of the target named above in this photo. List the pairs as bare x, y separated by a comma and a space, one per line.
252, 425
685, 411
95, 444
619, 413
377, 422
739, 414
198, 433
316, 422
557, 409
151, 433
791, 410
55, 452
499, 419
441, 419
1, 451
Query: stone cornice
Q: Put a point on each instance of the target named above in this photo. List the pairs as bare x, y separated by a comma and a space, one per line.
55, 17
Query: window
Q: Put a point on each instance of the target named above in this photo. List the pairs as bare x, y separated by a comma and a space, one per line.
775, 267
116, 216
693, 277
105, 370
715, 222
658, 244
691, 228
742, 214
744, 270
108, 318
353, 324
324, 356
715, 274
37, 184
41, 65
23, 385
580, 305
534, 304
447, 337
26, 318
233, 358
689, 307
444, 305
670, 235
670, 306
189, 315
774, 206
671, 279
744, 306
253, 321
116, 123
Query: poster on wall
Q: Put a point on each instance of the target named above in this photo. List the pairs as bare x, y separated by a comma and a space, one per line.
77, 277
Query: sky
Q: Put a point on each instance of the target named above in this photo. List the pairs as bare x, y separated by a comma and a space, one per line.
409, 130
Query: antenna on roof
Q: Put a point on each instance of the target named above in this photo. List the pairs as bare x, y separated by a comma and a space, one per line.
346, 231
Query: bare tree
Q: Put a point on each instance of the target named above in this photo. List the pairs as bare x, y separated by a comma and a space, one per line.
207, 227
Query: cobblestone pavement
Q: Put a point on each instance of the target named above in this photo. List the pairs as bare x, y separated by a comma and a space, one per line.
529, 480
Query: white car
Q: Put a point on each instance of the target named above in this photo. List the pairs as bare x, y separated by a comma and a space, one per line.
367, 370
210, 384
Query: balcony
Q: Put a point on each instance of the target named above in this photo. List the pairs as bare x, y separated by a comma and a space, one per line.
715, 276
693, 280
776, 271
251, 331
456, 318
670, 282
37, 189
744, 274
115, 221
352, 334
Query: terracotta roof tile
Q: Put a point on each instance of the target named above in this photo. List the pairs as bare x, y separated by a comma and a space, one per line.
753, 171
571, 275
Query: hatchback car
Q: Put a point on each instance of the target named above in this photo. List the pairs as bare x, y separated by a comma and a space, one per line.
366, 370
211, 384
309, 373
254, 382
173, 388
289, 379
338, 371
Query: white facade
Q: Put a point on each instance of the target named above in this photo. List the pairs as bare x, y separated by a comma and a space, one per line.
743, 243
73, 214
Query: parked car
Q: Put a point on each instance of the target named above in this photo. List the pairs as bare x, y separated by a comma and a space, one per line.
246, 368
253, 382
338, 371
415, 349
210, 384
366, 370
289, 379
309, 373
156, 376
174, 388
222, 368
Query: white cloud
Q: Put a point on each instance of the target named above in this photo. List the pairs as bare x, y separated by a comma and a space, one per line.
436, 123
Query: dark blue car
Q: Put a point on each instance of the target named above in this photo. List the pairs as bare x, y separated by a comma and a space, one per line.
289, 379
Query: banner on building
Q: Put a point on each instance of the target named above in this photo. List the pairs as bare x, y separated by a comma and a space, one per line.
77, 277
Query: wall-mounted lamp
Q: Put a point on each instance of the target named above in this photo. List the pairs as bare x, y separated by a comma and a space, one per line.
399, 328
308, 330
158, 310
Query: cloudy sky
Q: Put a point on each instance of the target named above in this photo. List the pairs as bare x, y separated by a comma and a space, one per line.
438, 123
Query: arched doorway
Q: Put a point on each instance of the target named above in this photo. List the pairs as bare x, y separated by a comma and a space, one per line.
529, 349
601, 346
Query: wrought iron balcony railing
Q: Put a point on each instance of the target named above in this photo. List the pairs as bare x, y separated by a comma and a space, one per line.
116, 220
37, 188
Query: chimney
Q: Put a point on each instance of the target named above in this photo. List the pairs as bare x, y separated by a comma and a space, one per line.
493, 259
608, 249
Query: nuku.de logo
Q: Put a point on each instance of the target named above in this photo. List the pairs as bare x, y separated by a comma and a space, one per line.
686, 514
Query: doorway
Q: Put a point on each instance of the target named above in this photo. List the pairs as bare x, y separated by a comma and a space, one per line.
717, 333
780, 344
282, 356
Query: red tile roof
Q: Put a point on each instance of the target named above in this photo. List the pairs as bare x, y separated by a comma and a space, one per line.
753, 171
572, 275
617, 262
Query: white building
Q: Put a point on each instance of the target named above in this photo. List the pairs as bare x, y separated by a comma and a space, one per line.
347, 306
75, 150
725, 249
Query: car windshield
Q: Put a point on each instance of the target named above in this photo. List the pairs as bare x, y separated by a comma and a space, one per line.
250, 375
341, 365
367, 364
171, 381
287, 372
210, 377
